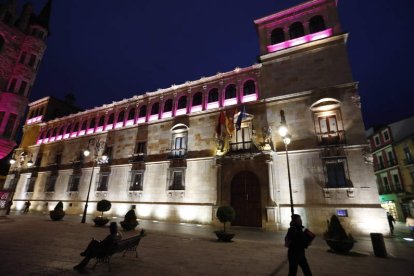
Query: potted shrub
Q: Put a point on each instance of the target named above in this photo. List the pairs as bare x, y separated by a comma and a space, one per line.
130, 220
225, 214
102, 206
336, 237
57, 213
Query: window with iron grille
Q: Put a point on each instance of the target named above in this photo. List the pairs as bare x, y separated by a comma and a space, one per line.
50, 183
73, 185
336, 175
136, 180
30, 184
176, 179
102, 182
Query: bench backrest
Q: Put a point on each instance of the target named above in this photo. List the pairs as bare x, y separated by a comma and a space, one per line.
127, 243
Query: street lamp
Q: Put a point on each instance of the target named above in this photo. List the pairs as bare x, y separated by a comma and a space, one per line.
284, 133
21, 157
97, 145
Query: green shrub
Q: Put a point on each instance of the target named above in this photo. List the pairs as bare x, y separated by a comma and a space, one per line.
103, 206
225, 214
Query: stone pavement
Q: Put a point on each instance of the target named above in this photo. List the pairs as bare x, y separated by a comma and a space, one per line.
35, 245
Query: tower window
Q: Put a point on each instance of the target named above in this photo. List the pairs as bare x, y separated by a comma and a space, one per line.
8, 130
316, 24
155, 108
296, 30
121, 116
12, 85
1, 42
249, 88
111, 119
101, 121
143, 111
92, 123
230, 92
131, 114
22, 58
32, 60
182, 102
22, 89
213, 95
197, 99
277, 36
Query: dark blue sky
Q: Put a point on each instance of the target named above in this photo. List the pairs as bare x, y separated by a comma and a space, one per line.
107, 50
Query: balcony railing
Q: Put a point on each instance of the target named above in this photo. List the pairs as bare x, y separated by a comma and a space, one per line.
408, 161
331, 138
241, 147
178, 153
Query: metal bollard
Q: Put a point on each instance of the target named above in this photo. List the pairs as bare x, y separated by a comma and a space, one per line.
378, 244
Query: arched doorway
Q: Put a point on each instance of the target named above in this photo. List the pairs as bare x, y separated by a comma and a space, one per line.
245, 199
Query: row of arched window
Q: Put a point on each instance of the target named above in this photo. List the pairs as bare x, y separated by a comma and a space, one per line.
168, 108
316, 24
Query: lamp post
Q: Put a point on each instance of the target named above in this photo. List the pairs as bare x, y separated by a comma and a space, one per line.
12, 161
284, 133
97, 145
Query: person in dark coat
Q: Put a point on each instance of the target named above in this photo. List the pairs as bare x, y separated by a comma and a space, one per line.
26, 207
96, 248
391, 222
296, 241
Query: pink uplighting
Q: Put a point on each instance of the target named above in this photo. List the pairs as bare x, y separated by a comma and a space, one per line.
153, 117
167, 114
230, 102
118, 125
129, 123
108, 127
300, 40
180, 111
196, 108
52, 139
66, 136
90, 131
39, 141
59, 137
141, 120
99, 129
74, 134
82, 132
212, 105
34, 120
249, 98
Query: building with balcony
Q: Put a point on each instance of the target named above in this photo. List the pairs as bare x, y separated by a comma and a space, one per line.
178, 153
393, 152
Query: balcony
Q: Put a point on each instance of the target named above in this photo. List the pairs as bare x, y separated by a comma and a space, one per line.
178, 153
382, 166
139, 157
408, 161
332, 138
242, 147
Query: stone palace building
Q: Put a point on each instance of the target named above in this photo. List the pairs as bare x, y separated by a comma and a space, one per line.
178, 153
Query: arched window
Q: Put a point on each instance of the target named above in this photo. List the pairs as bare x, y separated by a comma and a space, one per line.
61, 130
249, 88
68, 128
76, 127
277, 36
230, 92
316, 24
197, 99
182, 102
121, 116
83, 127
111, 119
168, 105
131, 114
155, 108
296, 30
213, 95
142, 111
54, 132
1, 42
92, 123
101, 121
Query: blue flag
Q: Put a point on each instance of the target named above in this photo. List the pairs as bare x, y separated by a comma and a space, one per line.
242, 115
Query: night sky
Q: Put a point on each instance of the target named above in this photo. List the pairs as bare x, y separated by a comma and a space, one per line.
107, 50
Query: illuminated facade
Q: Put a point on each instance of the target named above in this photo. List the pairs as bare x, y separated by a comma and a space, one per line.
393, 159
178, 153
22, 45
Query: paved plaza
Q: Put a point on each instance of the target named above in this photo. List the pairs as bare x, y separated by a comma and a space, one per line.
35, 245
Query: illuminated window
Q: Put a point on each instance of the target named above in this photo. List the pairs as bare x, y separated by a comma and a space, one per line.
197, 99
50, 183
73, 185
179, 141
296, 30
168, 105
176, 179
102, 184
316, 24
277, 36
136, 180
213, 95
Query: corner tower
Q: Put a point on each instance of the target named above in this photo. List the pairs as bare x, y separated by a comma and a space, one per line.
22, 46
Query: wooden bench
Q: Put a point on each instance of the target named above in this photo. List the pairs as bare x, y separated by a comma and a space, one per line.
125, 245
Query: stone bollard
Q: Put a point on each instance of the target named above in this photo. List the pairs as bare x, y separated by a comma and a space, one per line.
378, 244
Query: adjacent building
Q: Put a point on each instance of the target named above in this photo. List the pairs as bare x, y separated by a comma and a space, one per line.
178, 153
393, 158
22, 46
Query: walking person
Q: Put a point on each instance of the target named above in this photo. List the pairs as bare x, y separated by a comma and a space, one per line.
26, 207
96, 248
8, 206
296, 241
391, 222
